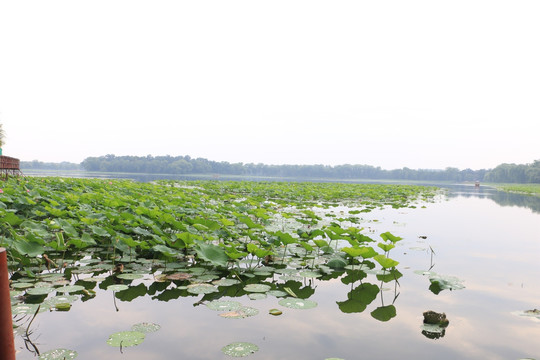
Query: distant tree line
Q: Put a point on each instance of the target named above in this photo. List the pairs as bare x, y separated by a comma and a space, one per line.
180, 165
39, 165
187, 165
515, 173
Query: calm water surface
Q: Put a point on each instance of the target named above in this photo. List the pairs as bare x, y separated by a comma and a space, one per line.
489, 240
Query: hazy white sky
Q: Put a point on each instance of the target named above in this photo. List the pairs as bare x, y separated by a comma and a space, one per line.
422, 84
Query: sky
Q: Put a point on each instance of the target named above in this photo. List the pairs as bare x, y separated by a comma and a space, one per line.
419, 84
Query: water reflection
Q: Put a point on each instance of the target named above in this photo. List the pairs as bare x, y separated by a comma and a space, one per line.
502, 198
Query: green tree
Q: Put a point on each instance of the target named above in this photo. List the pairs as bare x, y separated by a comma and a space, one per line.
2, 137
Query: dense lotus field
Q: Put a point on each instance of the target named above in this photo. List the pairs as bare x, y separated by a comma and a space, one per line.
65, 237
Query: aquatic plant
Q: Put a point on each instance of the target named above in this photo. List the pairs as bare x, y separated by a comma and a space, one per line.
202, 239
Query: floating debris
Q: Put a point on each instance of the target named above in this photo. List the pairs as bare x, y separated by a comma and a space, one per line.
435, 318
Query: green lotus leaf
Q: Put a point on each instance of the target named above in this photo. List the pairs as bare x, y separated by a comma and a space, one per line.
212, 253
384, 313
99, 231
240, 349
165, 250
40, 291
337, 263
197, 270
58, 354
220, 305
52, 277
15, 293
226, 282
28, 248
385, 262
263, 272
126, 338
310, 274
260, 288
146, 327
27, 309
386, 247
295, 303
205, 278
129, 276
70, 288
22, 285
444, 282
257, 296
117, 287
359, 298
11, 219
387, 236
275, 312
241, 313
62, 306
52, 301
433, 328
201, 289
277, 293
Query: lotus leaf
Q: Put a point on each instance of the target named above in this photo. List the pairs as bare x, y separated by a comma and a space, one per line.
58, 354
177, 276
310, 274
40, 291
146, 327
275, 312
261, 288
384, 313
257, 296
126, 338
22, 285
220, 305
117, 287
243, 312
52, 301
226, 282
385, 262
444, 282
240, 349
212, 253
129, 276
295, 303
62, 306
277, 293
27, 309
70, 289
201, 289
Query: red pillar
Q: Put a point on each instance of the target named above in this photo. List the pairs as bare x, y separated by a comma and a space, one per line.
7, 342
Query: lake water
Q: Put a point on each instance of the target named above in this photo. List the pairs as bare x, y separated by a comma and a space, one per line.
487, 239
